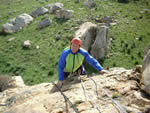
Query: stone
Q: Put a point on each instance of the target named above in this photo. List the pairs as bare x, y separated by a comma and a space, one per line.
27, 43
63, 14
100, 45
44, 22
90, 3
145, 81
39, 11
17, 23
54, 7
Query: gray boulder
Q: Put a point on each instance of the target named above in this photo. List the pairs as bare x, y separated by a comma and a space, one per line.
39, 11
17, 23
44, 22
95, 39
146, 71
53, 7
64, 14
22, 20
90, 3
100, 45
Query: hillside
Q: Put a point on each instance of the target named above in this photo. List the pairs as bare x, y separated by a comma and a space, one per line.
129, 36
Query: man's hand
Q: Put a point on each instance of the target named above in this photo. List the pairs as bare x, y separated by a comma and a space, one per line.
102, 72
60, 83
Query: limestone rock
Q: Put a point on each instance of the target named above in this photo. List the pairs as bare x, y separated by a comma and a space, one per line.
95, 39
39, 11
54, 7
63, 14
17, 23
44, 22
39, 99
100, 45
146, 71
90, 3
87, 33
27, 44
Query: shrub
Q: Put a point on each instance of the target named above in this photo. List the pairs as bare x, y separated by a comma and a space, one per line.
6, 82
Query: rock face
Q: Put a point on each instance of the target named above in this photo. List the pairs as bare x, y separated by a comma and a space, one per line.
95, 39
41, 99
146, 71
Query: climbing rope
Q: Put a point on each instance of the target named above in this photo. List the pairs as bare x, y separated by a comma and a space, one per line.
66, 99
3, 104
117, 105
89, 95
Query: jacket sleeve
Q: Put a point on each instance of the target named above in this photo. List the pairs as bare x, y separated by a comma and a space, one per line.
92, 61
61, 65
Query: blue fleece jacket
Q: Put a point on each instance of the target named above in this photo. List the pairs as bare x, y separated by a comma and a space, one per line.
70, 62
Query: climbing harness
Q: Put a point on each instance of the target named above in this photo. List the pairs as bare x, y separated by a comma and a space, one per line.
66, 99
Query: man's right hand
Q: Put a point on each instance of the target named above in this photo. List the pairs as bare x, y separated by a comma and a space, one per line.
60, 83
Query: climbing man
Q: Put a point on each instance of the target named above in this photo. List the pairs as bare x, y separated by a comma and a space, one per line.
71, 61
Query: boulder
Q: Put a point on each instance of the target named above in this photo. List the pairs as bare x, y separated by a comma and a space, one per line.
17, 23
87, 33
63, 14
100, 45
44, 22
95, 39
146, 71
54, 7
90, 3
39, 11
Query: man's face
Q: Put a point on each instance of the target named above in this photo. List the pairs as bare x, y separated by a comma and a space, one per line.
74, 47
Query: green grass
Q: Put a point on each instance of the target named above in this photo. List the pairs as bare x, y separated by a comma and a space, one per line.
130, 37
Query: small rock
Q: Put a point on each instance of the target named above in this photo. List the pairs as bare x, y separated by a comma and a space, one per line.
27, 43
9, 40
112, 24
131, 109
58, 37
37, 47
76, 1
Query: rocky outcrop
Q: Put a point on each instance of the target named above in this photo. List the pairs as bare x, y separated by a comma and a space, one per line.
100, 45
146, 71
54, 7
95, 39
17, 23
87, 33
39, 11
90, 3
40, 98
63, 14
44, 22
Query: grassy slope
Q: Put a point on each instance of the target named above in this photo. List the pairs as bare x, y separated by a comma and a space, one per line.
130, 37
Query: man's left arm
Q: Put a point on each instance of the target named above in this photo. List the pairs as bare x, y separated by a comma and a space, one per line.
92, 61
